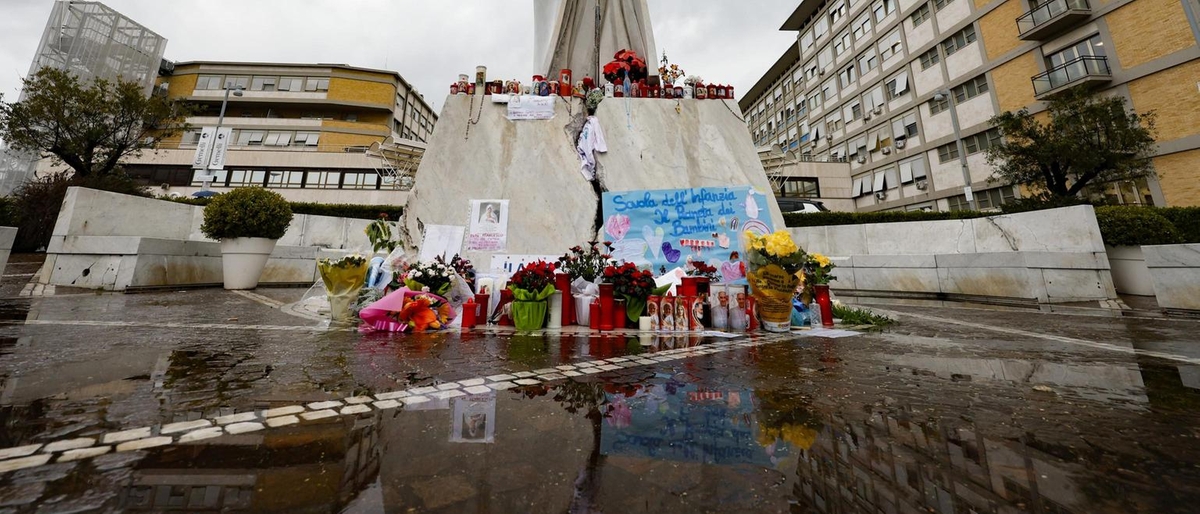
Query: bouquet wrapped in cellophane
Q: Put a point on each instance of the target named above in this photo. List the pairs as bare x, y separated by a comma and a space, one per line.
344, 279
775, 263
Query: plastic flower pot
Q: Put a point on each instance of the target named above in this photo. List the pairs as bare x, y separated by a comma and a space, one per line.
243, 260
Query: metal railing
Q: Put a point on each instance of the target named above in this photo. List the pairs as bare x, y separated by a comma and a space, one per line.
1047, 12
1071, 72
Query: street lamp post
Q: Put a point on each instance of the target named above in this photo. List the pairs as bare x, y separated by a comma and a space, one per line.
237, 91
962, 151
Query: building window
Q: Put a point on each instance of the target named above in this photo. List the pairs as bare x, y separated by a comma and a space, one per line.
190, 137
970, 89
841, 43
941, 4
814, 102
959, 40
989, 199
285, 179
982, 141
913, 170
947, 152
806, 40
799, 187
209, 82
897, 86
847, 76
313, 84
245, 178
854, 111
883, 8
890, 45
324, 180
360, 181
1092, 46
867, 62
307, 138
291, 84
837, 12
930, 58
920, 15
263, 83
235, 82
862, 27
810, 71
937, 106
251, 137
834, 122
905, 127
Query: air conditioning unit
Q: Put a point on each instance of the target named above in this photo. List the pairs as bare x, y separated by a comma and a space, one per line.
881, 195
899, 144
867, 117
829, 138
862, 159
887, 150
879, 110
922, 185
822, 72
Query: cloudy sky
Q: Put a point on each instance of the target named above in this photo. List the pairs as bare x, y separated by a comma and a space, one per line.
428, 41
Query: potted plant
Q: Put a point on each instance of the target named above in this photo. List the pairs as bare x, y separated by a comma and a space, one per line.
635, 285
531, 286
775, 263
818, 271
248, 222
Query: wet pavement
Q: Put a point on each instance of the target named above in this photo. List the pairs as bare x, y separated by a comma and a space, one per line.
950, 411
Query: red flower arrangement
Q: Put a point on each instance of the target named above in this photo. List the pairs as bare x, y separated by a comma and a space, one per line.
702, 269
533, 277
626, 65
635, 285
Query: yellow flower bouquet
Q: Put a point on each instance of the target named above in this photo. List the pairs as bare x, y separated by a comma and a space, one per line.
344, 278
775, 262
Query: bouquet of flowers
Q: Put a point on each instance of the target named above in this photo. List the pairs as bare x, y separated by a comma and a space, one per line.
671, 73
343, 279
462, 267
586, 264
818, 270
531, 286
627, 66
435, 276
775, 265
702, 269
408, 311
635, 285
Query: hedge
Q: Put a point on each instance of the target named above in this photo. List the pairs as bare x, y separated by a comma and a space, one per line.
360, 212
1135, 226
820, 219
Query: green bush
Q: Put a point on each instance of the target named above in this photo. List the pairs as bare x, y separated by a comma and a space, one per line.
358, 212
820, 219
1186, 221
247, 212
1040, 203
1135, 226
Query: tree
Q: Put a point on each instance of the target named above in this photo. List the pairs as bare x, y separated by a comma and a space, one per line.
1088, 141
89, 127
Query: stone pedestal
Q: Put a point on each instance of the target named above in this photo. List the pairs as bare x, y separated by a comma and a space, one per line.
653, 144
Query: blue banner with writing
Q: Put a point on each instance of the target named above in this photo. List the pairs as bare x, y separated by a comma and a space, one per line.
667, 228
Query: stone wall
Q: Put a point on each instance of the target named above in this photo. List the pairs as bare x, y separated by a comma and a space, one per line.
117, 242
7, 236
1053, 256
1175, 270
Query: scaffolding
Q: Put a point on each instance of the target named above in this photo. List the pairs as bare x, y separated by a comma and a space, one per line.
92, 41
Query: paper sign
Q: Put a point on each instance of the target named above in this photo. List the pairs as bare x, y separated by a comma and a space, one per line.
666, 229
530, 108
489, 226
509, 264
443, 241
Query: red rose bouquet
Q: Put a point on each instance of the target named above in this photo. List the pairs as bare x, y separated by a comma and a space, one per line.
531, 286
586, 264
626, 65
635, 285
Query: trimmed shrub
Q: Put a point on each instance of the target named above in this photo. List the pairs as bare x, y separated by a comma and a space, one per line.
1135, 226
1186, 221
247, 212
358, 212
1040, 203
820, 219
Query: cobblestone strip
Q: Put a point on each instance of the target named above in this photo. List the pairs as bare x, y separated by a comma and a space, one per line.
185, 326
141, 438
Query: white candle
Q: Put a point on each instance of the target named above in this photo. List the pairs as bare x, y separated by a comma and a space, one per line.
644, 323
556, 310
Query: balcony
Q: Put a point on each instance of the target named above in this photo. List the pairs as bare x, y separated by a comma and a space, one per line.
1052, 18
1089, 69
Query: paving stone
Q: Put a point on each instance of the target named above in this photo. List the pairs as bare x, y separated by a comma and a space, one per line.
184, 426
355, 409
83, 453
127, 435
617, 359
359, 400
414, 400
282, 411
527, 382
551, 376
609, 367
423, 390
585, 364
142, 444
19, 451
387, 404
501, 378
478, 390
591, 371
324, 405
502, 386
202, 434
565, 368
282, 421
447, 387
523, 374
446, 395
243, 428
543, 371
321, 414
24, 462
572, 374
392, 396
236, 418
69, 444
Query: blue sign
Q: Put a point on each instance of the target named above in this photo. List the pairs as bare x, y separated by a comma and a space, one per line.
667, 228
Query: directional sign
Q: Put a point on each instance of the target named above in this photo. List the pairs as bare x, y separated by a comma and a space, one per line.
219, 148
207, 135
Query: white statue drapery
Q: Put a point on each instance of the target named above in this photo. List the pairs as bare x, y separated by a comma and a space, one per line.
565, 35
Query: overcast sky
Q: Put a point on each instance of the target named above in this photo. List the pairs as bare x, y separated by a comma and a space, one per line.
428, 41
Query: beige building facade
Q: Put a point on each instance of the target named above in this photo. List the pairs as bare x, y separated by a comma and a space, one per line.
871, 88
321, 133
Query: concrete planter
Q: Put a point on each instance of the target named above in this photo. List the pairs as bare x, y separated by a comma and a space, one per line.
7, 236
243, 260
1175, 271
1129, 272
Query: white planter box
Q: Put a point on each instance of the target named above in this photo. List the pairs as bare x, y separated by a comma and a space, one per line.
1175, 271
243, 260
1129, 272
